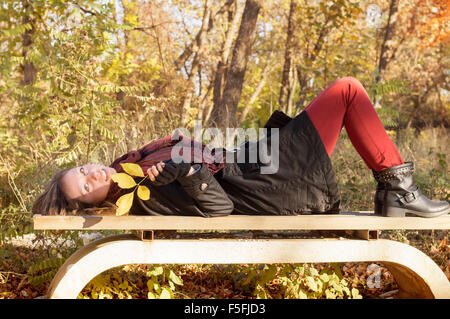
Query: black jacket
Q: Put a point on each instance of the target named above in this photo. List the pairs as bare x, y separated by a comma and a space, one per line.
197, 195
305, 181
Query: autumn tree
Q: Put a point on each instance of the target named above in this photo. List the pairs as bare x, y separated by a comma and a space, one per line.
195, 65
317, 23
286, 90
413, 41
224, 60
223, 114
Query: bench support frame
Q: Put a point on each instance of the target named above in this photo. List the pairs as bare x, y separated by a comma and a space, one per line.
416, 274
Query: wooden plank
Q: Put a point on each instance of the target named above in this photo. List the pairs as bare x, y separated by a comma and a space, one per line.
347, 220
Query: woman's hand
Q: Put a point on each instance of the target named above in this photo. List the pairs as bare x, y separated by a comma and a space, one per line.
165, 173
154, 171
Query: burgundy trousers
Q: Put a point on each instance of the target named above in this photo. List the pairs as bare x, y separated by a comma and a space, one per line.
345, 102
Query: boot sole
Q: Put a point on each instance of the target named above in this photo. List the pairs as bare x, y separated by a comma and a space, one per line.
401, 212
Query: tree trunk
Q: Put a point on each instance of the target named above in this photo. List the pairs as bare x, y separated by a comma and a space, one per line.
384, 59
189, 49
302, 85
292, 91
224, 60
203, 103
267, 70
311, 57
195, 64
122, 37
28, 68
290, 43
225, 113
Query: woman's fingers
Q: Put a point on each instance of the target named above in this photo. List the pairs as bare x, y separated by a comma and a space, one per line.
160, 166
154, 171
150, 175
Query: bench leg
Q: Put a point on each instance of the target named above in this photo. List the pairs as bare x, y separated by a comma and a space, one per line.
410, 284
416, 274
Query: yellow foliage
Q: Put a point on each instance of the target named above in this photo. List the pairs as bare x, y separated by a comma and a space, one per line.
143, 192
123, 180
132, 169
124, 204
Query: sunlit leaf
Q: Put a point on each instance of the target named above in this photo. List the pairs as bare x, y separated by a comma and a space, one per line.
143, 192
133, 169
155, 271
123, 180
150, 285
302, 294
324, 277
177, 280
311, 283
165, 294
355, 294
124, 203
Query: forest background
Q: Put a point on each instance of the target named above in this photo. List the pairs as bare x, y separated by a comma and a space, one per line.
89, 80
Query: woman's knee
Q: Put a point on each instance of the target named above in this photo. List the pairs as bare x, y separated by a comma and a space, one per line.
350, 80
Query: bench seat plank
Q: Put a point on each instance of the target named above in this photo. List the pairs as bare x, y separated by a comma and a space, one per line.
344, 221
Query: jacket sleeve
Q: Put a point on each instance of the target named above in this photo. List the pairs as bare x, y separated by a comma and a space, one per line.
207, 193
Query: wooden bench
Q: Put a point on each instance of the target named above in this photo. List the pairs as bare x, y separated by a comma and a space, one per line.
416, 274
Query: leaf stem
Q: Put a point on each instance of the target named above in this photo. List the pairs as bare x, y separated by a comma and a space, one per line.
137, 185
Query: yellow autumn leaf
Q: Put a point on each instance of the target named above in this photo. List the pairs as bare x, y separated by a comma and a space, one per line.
124, 203
124, 180
143, 192
132, 169
165, 294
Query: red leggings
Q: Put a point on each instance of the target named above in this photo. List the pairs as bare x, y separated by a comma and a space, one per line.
345, 102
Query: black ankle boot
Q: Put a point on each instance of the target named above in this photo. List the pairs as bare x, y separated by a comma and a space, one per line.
379, 197
397, 194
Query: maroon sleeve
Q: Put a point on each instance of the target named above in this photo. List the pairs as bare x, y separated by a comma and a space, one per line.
130, 157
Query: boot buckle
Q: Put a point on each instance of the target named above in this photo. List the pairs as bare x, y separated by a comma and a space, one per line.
409, 197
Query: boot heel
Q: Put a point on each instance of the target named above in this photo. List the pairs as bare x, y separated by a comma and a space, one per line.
378, 209
394, 211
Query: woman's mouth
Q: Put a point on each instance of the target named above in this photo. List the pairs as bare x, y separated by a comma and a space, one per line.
105, 175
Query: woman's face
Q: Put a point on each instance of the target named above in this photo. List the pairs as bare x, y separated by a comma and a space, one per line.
88, 183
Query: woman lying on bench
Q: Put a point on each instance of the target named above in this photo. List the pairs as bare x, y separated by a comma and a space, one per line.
303, 182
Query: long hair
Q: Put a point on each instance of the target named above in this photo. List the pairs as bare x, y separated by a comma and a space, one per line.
53, 201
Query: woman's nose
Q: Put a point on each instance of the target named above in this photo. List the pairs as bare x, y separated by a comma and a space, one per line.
94, 175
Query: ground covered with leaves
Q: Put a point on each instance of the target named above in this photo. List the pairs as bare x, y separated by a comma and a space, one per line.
26, 272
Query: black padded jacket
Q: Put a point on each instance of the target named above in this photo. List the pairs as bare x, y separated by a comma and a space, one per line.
305, 181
